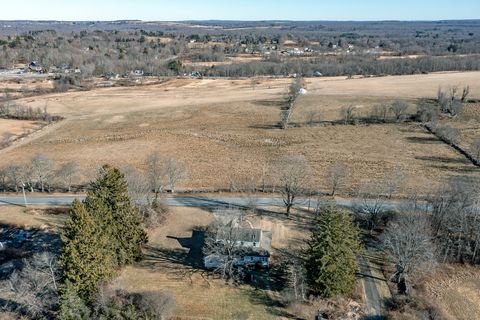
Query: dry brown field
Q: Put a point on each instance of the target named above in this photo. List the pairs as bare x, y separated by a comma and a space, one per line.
226, 129
15, 128
468, 125
37, 217
456, 290
18, 85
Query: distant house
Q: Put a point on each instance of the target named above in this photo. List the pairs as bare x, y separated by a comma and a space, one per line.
195, 74
138, 73
253, 247
35, 66
112, 76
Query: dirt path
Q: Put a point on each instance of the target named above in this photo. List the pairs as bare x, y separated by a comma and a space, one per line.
375, 287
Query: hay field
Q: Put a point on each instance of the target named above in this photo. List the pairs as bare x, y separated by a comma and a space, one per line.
225, 129
456, 290
15, 128
468, 125
409, 86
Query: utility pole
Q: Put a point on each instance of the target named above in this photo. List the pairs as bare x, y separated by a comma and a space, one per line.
24, 196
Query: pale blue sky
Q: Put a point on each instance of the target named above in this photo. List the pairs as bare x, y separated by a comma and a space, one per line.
239, 10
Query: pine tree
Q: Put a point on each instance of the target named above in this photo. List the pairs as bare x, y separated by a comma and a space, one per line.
102, 234
110, 204
331, 255
85, 259
72, 307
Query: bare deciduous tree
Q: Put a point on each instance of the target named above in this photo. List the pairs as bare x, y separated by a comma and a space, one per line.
408, 242
68, 173
456, 221
428, 113
14, 176
155, 174
297, 279
138, 187
442, 100
313, 116
3, 179
42, 169
399, 109
465, 94
380, 112
337, 176
174, 171
453, 93
35, 286
348, 114
294, 92
455, 107
392, 180
294, 175
371, 204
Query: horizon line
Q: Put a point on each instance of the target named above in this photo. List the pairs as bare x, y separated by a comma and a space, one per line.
240, 20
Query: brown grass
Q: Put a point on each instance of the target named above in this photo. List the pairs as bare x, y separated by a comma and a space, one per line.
456, 289
15, 128
197, 295
41, 217
224, 129
410, 86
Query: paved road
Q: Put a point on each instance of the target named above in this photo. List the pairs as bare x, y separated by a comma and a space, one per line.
373, 300
195, 201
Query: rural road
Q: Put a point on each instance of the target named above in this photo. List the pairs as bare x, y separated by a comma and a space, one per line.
196, 201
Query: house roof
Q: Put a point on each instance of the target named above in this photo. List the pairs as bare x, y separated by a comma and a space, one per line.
239, 234
264, 238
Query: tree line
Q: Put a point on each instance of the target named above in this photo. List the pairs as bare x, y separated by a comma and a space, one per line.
42, 174
98, 53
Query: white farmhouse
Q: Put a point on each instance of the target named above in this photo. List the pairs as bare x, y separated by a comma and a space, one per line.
253, 245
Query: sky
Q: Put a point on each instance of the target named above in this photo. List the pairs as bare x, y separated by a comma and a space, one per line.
173, 10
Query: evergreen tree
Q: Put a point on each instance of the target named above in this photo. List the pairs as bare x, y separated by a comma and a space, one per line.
72, 307
85, 259
331, 255
110, 204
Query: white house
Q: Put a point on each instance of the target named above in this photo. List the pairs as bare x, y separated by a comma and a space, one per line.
253, 245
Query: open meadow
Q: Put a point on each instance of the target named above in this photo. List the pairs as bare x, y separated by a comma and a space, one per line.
455, 289
226, 130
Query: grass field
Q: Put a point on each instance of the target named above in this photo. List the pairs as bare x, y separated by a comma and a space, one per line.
15, 128
38, 217
225, 129
456, 289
